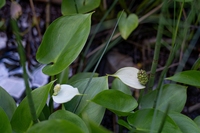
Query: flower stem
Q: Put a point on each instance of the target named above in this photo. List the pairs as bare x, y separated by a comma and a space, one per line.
22, 55
157, 47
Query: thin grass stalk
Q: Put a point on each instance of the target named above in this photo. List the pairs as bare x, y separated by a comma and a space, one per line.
99, 60
169, 61
173, 51
188, 51
157, 47
22, 55
95, 57
95, 31
98, 26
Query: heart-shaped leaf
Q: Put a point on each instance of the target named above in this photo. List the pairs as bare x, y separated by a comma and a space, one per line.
63, 41
127, 24
116, 101
141, 120
70, 7
172, 94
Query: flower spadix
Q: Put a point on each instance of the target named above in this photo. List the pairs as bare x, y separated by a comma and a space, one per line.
132, 77
64, 93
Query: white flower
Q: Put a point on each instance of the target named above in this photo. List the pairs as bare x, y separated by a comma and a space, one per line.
129, 76
64, 93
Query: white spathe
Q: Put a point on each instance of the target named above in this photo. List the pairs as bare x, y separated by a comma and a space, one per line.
65, 94
128, 75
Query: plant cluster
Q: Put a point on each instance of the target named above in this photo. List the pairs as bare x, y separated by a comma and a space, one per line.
85, 96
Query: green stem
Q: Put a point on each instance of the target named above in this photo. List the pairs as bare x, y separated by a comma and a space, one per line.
22, 55
172, 52
169, 61
157, 47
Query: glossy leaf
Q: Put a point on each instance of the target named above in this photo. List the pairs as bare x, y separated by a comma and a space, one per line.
7, 103
141, 120
5, 126
22, 119
2, 3
69, 116
127, 24
55, 126
116, 101
93, 111
185, 123
68, 7
172, 94
119, 85
63, 41
191, 77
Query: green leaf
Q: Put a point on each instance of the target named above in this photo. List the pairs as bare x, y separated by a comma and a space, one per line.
127, 24
68, 7
185, 123
197, 121
2, 3
93, 111
191, 77
141, 120
7, 103
172, 94
5, 126
66, 115
116, 101
22, 119
79, 76
119, 85
55, 126
63, 41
